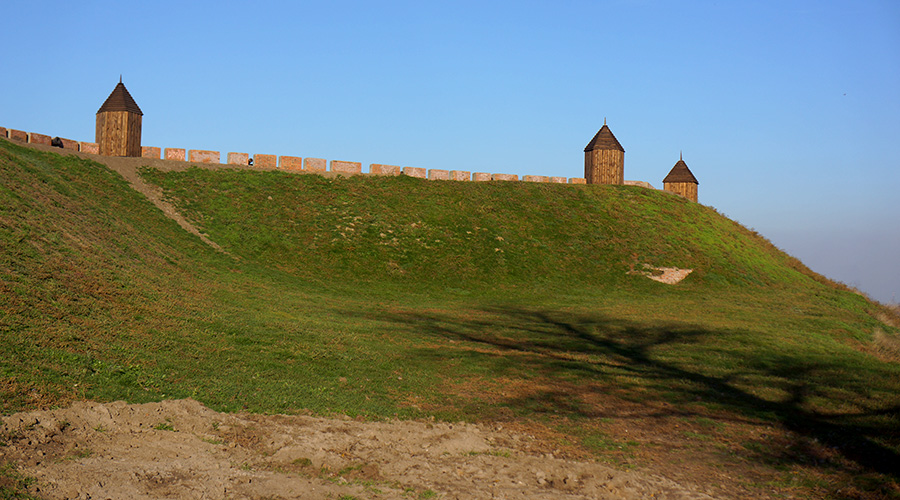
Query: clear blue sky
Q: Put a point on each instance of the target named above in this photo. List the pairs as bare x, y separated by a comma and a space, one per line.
788, 112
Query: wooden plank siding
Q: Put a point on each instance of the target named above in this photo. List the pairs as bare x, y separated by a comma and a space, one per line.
604, 166
119, 133
685, 189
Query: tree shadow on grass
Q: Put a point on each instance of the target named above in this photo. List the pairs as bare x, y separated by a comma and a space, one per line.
592, 347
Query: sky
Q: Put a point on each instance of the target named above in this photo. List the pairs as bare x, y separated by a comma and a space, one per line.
787, 112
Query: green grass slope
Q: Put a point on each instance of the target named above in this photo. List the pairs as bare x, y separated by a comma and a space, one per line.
395, 296
85, 263
405, 230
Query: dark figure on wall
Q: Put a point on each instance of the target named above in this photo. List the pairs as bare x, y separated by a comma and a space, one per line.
56, 142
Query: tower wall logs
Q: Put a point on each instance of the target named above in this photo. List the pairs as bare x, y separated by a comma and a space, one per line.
686, 189
604, 166
119, 133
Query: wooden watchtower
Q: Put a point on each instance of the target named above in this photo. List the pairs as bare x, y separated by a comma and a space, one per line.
119, 124
604, 159
681, 181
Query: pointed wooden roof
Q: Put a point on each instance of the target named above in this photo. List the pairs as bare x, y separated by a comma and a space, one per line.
120, 100
604, 140
681, 173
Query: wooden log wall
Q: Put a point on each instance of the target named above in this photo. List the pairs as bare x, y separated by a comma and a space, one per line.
686, 189
119, 133
604, 166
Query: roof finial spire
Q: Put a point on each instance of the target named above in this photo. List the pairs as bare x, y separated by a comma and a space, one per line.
604, 120
120, 77
680, 156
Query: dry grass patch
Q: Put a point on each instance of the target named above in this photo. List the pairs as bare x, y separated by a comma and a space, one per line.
887, 345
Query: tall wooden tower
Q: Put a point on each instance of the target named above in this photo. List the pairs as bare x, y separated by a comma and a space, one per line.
681, 181
119, 124
604, 159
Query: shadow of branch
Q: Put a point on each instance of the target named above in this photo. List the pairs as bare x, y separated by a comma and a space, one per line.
563, 344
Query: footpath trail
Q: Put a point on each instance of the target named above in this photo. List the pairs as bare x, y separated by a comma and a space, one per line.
128, 167
179, 449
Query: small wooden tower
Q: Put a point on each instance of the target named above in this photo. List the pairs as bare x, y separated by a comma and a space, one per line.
604, 159
119, 124
681, 181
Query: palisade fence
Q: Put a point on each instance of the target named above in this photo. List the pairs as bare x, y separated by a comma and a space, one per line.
286, 163
293, 163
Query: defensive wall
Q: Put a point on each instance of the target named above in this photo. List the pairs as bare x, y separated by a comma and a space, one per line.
293, 163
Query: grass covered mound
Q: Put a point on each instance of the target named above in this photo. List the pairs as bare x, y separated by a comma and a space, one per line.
395, 296
407, 230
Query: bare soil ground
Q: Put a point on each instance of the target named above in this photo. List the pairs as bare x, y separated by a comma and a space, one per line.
181, 449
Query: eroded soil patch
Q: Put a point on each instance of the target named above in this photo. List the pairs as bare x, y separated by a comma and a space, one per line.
181, 449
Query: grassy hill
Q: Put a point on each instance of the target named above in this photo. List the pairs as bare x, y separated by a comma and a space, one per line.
393, 296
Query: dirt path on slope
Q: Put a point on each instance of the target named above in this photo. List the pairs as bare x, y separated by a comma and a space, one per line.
128, 167
180, 449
